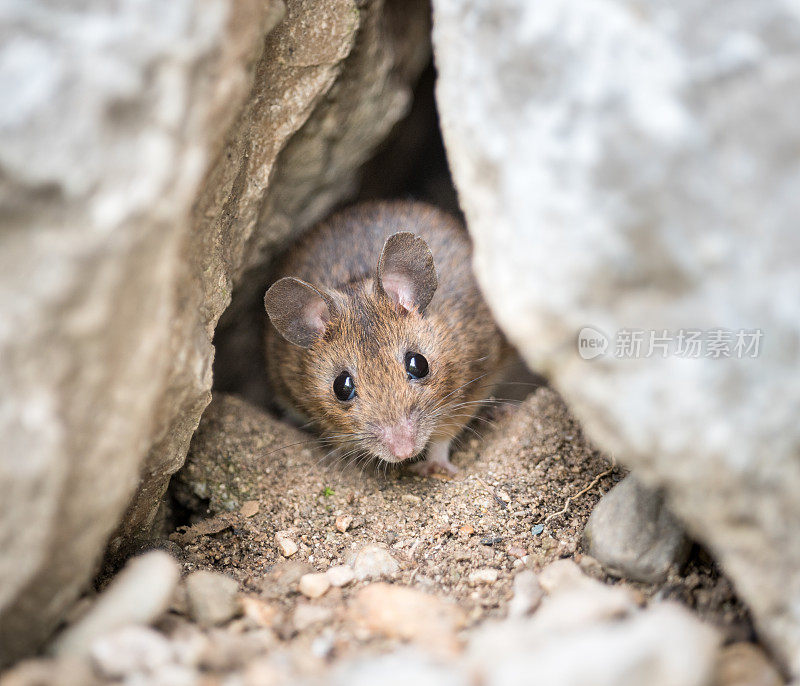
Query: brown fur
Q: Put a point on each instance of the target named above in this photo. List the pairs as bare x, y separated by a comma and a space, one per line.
369, 335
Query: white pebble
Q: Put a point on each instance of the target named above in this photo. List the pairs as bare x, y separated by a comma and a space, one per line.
285, 544
314, 585
483, 576
340, 575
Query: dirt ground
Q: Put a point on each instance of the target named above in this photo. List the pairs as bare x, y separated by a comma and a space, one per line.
527, 483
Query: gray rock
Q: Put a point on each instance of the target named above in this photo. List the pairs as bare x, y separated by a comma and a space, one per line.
143, 168
661, 646
623, 165
633, 534
139, 594
212, 597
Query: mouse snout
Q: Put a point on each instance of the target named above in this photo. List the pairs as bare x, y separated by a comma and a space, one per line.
400, 439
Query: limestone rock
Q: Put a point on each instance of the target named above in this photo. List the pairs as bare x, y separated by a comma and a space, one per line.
314, 585
147, 158
623, 166
139, 594
633, 534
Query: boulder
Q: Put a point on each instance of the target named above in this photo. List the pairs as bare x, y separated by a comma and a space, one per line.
625, 167
147, 157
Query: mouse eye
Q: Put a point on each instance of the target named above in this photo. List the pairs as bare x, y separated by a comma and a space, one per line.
416, 366
344, 387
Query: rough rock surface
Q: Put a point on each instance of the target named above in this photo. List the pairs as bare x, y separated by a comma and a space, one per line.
114, 268
632, 533
625, 166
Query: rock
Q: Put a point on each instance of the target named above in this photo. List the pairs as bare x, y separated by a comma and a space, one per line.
340, 575
286, 545
661, 646
130, 650
212, 597
633, 534
528, 594
208, 141
139, 594
623, 167
306, 615
745, 664
575, 600
483, 576
374, 562
404, 613
343, 522
314, 585
63, 671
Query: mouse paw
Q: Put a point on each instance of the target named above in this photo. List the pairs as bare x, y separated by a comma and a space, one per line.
430, 467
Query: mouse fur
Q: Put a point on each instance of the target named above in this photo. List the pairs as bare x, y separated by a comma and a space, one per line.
358, 294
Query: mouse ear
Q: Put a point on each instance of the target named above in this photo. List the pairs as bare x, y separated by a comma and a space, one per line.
406, 272
299, 311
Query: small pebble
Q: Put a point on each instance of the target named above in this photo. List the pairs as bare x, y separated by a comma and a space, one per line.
314, 585
466, 530
139, 594
340, 575
516, 551
130, 650
212, 597
249, 508
411, 498
285, 544
343, 522
373, 562
483, 576
491, 540
536, 530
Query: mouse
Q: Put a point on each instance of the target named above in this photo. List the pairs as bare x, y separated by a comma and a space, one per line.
380, 337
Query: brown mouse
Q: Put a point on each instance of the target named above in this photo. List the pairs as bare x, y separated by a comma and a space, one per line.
381, 337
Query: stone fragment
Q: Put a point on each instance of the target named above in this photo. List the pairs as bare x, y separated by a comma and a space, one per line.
314, 585
632, 533
374, 562
485, 576
340, 575
466, 530
212, 597
343, 522
249, 508
404, 613
286, 544
528, 594
745, 664
139, 594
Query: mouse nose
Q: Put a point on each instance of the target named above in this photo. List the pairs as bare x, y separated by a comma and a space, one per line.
400, 439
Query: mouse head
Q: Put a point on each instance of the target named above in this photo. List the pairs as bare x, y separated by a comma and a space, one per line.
374, 368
